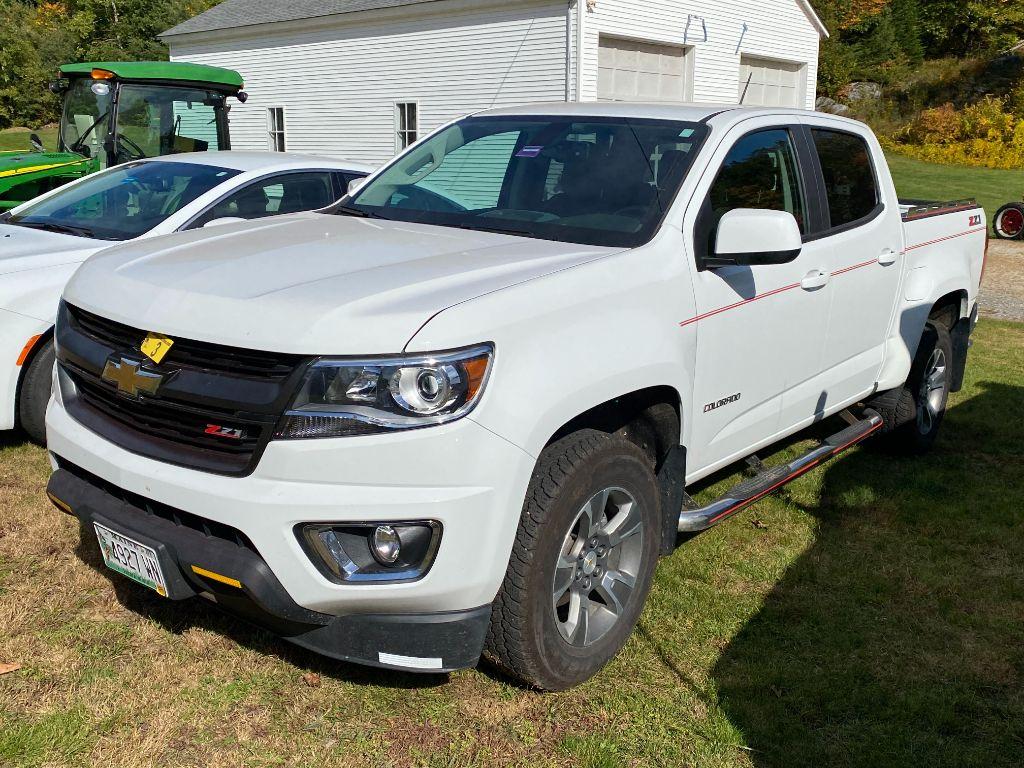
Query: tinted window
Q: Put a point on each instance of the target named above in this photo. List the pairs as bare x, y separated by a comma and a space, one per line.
124, 202
602, 181
849, 176
761, 172
287, 193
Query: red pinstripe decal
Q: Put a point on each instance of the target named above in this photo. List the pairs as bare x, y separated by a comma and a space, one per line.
713, 312
740, 303
855, 266
947, 237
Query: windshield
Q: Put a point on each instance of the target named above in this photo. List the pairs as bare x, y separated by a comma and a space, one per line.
598, 181
157, 120
86, 115
124, 202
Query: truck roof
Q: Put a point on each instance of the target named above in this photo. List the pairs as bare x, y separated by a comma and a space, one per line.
159, 70
657, 111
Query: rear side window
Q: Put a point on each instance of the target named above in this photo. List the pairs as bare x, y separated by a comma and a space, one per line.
850, 183
761, 172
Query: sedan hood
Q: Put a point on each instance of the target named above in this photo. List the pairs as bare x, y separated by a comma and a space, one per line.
310, 283
23, 248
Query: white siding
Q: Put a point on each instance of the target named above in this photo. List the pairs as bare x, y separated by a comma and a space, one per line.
778, 29
339, 83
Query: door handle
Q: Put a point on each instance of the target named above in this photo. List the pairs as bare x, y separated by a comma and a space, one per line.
888, 257
814, 279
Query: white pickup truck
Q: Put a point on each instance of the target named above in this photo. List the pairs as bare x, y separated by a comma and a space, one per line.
458, 413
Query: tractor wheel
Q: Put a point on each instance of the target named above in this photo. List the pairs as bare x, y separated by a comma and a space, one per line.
1009, 221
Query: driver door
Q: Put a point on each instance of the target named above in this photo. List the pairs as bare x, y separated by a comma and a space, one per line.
760, 329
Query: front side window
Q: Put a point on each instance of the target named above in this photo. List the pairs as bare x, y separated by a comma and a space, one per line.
124, 202
286, 193
155, 120
407, 124
850, 184
275, 128
760, 172
600, 181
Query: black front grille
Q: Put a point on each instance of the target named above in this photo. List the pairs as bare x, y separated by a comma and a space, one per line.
215, 409
185, 352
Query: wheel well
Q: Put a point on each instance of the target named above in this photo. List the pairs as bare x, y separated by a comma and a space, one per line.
25, 365
648, 418
949, 309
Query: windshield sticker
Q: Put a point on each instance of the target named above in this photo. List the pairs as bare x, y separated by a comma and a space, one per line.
529, 152
686, 133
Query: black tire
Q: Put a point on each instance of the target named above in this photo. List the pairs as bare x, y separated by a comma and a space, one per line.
34, 393
910, 426
1008, 223
524, 638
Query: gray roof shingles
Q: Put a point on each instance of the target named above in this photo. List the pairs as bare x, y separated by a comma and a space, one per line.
245, 13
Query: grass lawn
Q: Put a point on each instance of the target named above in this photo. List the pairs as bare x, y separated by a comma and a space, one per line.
931, 181
871, 614
17, 139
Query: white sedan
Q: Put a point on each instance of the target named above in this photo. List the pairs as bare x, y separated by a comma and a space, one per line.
43, 241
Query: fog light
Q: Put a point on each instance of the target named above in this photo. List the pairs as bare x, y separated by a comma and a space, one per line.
371, 551
386, 545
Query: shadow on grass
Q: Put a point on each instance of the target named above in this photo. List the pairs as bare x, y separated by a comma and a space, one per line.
180, 616
897, 638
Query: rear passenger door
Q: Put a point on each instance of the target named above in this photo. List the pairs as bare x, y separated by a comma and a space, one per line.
860, 242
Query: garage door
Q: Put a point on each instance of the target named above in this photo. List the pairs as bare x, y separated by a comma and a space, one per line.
633, 71
771, 83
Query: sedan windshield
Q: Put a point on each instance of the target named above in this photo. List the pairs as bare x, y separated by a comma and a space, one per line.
124, 202
599, 181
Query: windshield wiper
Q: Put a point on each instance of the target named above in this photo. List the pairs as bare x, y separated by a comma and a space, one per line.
348, 210
497, 230
64, 229
85, 134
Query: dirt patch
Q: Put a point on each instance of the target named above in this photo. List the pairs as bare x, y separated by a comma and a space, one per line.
1002, 290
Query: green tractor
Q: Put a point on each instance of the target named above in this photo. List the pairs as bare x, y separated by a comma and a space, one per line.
115, 112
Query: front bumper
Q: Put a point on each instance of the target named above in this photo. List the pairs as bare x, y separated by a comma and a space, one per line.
428, 642
461, 475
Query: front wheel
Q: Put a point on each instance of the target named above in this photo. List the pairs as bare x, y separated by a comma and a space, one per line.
581, 565
1008, 222
34, 393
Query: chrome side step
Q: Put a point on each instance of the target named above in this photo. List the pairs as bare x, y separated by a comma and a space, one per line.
769, 479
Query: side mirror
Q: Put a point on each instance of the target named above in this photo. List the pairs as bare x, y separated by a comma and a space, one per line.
36, 142
224, 220
751, 236
355, 184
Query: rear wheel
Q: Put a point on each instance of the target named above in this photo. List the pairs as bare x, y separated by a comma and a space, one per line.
581, 565
1009, 221
34, 393
913, 414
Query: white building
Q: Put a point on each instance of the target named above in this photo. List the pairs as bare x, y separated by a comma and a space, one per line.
362, 78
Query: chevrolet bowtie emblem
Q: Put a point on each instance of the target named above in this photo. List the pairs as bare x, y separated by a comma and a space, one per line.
129, 377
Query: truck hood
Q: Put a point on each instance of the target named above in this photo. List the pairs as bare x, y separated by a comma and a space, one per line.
18, 163
23, 248
309, 283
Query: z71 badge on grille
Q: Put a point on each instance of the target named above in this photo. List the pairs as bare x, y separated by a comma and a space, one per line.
129, 377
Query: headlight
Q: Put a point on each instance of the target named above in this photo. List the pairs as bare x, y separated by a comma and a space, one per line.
342, 397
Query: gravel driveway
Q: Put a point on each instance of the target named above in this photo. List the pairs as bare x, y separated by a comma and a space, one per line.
1002, 291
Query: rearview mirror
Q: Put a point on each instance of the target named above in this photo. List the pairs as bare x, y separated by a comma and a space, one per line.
355, 184
751, 236
36, 142
224, 220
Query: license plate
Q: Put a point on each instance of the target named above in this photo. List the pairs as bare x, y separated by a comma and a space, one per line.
132, 559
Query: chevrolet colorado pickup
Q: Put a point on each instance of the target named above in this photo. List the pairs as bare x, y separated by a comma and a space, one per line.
457, 413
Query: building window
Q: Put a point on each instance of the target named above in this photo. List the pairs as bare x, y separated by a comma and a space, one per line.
275, 128
406, 124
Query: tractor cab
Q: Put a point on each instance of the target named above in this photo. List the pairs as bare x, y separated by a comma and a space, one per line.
116, 112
